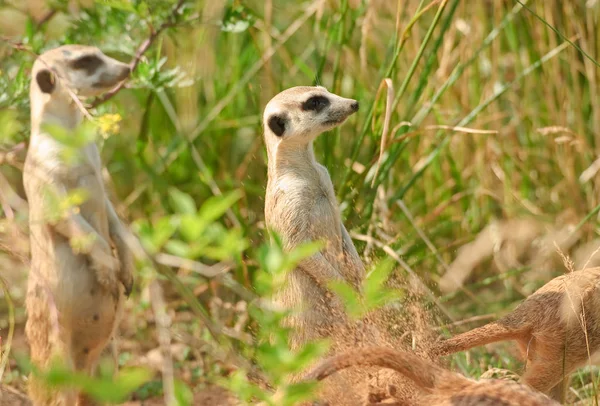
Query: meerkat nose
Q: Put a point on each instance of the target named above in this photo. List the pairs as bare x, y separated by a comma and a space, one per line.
125, 72
354, 106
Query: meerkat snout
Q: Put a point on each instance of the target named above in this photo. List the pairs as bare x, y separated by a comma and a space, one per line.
112, 77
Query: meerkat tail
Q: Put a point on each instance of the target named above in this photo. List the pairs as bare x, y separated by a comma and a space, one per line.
490, 333
424, 373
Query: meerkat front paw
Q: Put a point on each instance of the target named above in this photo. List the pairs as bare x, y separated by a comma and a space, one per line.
106, 267
126, 272
106, 276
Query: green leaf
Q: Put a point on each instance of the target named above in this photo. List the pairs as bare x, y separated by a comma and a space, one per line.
191, 227
59, 133
306, 355
181, 202
118, 4
9, 127
273, 261
216, 206
299, 392
178, 248
303, 251
162, 230
229, 244
237, 19
72, 141
375, 292
239, 384
104, 388
183, 394
81, 136
349, 296
154, 236
378, 276
57, 206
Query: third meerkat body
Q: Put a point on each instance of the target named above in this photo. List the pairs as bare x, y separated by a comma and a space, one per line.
301, 206
557, 329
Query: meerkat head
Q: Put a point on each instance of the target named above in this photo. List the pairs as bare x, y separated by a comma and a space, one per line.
67, 71
299, 114
84, 70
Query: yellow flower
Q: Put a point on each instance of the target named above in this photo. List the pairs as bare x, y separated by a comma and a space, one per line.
109, 124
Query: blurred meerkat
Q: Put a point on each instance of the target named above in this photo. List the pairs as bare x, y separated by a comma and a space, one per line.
301, 206
440, 387
73, 297
557, 330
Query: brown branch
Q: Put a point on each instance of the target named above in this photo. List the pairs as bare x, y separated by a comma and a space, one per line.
14, 156
144, 46
47, 17
163, 325
17, 45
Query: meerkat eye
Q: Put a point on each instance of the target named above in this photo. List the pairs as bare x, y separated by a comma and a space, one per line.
88, 63
315, 103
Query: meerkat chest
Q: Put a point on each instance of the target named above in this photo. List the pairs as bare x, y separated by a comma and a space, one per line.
303, 208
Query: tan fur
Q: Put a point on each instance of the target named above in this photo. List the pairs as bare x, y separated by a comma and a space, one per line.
10, 397
301, 206
557, 329
73, 299
439, 386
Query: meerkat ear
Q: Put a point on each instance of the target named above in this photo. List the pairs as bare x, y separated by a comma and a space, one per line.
46, 80
277, 124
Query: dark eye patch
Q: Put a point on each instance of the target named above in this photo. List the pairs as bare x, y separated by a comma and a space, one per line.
89, 63
315, 103
277, 124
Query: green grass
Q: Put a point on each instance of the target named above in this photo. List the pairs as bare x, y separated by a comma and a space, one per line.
510, 67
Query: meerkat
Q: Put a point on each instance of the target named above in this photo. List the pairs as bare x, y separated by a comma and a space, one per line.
74, 297
557, 329
301, 206
440, 387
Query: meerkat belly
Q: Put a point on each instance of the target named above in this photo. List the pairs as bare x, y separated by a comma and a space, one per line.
96, 309
64, 298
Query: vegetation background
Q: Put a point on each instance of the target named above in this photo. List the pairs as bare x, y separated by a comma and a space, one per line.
479, 122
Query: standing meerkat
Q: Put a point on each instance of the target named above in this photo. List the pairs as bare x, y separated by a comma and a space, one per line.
73, 296
557, 330
441, 387
301, 206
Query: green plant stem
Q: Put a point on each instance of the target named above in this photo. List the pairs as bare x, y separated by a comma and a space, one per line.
11, 328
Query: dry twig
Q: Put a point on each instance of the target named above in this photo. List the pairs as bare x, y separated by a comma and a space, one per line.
144, 46
163, 324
